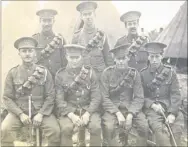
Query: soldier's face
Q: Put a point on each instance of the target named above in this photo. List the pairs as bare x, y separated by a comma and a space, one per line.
46, 24
155, 59
27, 54
121, 62
132, 26
74, 61
88, 16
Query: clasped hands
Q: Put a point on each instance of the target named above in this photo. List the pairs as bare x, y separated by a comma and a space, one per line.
125, 123
36, 121
83, 121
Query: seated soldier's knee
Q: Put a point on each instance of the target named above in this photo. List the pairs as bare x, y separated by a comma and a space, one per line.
95, 128
67, 129
5, 128
144, 130
162, 138
4, 131
56, 130
109, 127
161, 134
53, 133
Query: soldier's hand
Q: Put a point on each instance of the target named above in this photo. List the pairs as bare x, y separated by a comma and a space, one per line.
85, 118
128, 122
170, 119
158, 108
25, 119
75, 119
37, 119
121, 118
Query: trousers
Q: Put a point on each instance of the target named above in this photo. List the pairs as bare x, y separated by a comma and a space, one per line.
12, 124
157, 124
111, 133
94, 127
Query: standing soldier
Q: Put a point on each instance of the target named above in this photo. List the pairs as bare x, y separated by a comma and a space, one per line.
138, 58
24, 81
123, 100
95, 40
50, 52
77, 99
162, 96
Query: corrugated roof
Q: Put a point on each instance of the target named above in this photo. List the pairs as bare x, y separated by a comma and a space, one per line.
175, 35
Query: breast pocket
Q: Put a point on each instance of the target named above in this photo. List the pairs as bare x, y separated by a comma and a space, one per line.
112, 89
17, 86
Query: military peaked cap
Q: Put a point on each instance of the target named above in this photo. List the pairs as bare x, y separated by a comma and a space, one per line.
130, 16
155, 47
89, 5
25, 42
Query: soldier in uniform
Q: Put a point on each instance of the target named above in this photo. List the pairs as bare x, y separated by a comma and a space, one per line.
162, 96
24, 81
95, 40
123, 99
138, 59
78, 98
50, 52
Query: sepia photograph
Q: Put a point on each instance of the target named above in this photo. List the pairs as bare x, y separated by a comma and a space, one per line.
93, 73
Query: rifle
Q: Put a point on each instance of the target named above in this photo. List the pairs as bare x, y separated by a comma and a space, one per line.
81, 130
170, 130
34, 132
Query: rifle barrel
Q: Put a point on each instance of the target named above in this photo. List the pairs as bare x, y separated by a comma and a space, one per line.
170, 130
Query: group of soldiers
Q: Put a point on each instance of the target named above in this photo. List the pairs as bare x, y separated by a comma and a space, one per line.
87, 85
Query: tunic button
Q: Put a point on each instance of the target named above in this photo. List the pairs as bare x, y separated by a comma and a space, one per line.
157, 95
78, 99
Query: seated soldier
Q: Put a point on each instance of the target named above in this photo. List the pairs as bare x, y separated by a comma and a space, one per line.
162, 96
123, 100
22, 83
77, 99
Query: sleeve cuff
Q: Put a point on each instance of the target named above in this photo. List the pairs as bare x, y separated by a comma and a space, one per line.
67, 111
173, 111
18, 112
113, 111
90, 110
148, 103
134, 113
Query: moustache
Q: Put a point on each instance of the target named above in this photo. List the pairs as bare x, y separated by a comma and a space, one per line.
133, 29
46, 26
